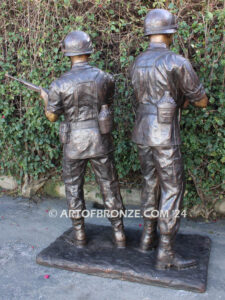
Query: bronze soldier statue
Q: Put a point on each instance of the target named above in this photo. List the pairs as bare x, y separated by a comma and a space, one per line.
80, 94
163, 83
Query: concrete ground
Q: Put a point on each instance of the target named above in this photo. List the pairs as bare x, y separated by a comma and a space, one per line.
26, 228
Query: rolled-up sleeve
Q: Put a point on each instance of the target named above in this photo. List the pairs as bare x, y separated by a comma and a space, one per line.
55, 104
189, 83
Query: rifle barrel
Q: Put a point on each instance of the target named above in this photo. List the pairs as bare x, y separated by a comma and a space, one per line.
31, 86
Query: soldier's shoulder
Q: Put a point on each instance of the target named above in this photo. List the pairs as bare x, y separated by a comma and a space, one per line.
177, 59
60, 82
103, 74
141, 56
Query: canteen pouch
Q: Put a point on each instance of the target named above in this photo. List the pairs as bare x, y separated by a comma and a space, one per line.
64, 132
105, 120
166, 109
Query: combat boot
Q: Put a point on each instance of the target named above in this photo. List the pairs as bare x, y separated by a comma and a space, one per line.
118, 232
166, 257
149, 237
79, 232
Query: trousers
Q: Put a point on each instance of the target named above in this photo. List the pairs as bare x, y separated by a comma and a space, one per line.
106, 177
163, 185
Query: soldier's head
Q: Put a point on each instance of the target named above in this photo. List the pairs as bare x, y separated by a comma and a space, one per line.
160, 23
77, 45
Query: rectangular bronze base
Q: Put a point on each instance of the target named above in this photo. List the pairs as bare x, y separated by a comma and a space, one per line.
100, 257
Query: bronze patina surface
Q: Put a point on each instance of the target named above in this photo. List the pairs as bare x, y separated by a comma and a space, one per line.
80, 95
100, 257
163, 81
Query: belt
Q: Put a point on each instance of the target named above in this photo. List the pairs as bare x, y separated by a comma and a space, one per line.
147, 108
84, 124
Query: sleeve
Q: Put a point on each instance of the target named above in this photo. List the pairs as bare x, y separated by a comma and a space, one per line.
132, 77
130, 71
189, 83
110, 89
55, 104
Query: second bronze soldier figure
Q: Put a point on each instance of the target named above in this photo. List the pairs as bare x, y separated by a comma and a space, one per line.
162, 82
80, 94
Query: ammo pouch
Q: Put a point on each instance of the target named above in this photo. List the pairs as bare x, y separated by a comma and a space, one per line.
64, 132
166, 109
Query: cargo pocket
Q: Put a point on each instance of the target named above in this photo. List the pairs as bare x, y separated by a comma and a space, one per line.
64, 132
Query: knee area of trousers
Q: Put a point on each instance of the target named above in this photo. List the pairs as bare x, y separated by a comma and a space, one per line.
109, 186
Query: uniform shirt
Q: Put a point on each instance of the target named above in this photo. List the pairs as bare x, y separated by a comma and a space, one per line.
79, 95
154, 72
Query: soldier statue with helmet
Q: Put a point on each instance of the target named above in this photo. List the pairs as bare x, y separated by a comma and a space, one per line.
83, 95
163, 83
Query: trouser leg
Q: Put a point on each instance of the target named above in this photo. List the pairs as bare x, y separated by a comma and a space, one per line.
150, 186
106, 177
169, 165
73, 174
149, 197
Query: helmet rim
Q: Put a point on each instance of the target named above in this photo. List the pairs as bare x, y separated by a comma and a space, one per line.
160, 21
71, 53
160, 31
69, 48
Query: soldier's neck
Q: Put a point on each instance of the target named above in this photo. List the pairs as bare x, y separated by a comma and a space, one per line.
161, 38
78, 59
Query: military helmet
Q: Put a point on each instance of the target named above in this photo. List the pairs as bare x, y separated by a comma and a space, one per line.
160, 21
77, 43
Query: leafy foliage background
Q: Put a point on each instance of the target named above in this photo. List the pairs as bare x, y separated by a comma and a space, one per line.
31, 32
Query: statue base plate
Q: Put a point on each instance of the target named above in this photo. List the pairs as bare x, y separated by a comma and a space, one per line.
100, 257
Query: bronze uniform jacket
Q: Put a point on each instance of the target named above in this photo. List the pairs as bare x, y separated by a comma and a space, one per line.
154, 72
79, 94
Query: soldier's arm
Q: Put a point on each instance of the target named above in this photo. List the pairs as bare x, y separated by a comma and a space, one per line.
53, 102
110, 90
49, 115
134, 96
190, 85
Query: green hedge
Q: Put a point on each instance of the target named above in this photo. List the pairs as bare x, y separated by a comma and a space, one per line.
31, 32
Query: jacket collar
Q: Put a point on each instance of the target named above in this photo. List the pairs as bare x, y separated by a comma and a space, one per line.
83, 64
157, 45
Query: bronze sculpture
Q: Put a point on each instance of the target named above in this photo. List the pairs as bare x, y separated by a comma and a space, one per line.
163, 83
80, 94
84, 95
